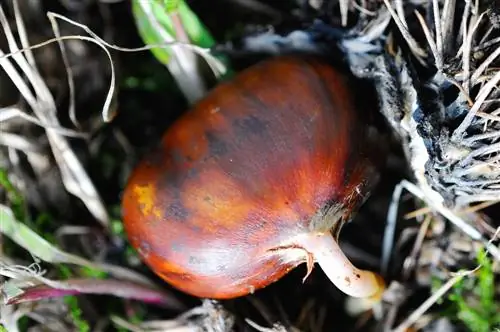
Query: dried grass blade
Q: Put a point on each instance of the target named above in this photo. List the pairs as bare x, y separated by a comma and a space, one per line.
69, 73
23, 36
12, 112
481, 97
430, 41
75, 178
18, 142
404, 326
484, 65
415, 48
447, 19
439, 31
467, 49
344, 11
73, 174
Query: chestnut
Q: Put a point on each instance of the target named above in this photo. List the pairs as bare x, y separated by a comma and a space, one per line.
257, 178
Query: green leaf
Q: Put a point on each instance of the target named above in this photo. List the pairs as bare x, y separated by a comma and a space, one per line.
171, 5
194, 28
76, 314
32, 242
474, 298
15, 197
486, 282
197, 32
474, 321
93, 272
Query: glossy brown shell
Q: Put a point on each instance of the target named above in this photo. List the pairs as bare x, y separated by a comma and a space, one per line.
243, 171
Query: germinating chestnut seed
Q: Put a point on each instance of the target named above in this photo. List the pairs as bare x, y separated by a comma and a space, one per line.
253, 181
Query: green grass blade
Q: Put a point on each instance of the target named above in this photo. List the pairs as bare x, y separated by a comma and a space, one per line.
196, 31
23, 236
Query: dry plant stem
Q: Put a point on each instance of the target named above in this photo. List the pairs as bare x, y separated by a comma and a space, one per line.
485, 65
217, 67
340, 271
445, 212
447, 19
390, 229
13, 112
401, 12
37, 95
417, 213
480, 99
159, 326
69, 74
430, 301
430, 41
485, 45
416, 49
18, 142
344, 11
262, 309
409, 263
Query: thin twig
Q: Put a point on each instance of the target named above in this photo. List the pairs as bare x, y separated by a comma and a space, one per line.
481, 97
416, 49
448, 214
410, 320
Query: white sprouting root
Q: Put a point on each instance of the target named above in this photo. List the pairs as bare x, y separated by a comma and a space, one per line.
341, 272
